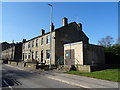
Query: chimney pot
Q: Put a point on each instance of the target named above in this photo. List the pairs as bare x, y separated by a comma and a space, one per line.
24, 40
42, 31
80, 26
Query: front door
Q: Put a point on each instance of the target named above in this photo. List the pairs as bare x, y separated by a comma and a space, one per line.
69, 57
32, 56
42, 56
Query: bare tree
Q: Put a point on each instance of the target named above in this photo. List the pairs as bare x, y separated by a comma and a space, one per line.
106, 42
118, 41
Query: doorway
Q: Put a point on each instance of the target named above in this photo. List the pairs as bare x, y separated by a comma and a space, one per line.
32, 56
69, 57
42, 56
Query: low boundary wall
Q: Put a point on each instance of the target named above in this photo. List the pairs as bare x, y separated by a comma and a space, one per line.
22, 64
88, 68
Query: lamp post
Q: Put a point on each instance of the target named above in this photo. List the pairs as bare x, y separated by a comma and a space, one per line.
12, 50
51, 10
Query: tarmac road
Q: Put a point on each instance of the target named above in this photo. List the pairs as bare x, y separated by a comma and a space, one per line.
13, 78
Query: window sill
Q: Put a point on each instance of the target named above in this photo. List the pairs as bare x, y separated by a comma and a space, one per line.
48, 44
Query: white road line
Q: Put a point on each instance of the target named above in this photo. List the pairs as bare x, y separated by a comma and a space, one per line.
8, 85
74, 84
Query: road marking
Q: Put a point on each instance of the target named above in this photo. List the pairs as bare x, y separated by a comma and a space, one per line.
8, 85
71, 83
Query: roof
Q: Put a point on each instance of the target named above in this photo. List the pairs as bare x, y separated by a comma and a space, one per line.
37, 37
53, 31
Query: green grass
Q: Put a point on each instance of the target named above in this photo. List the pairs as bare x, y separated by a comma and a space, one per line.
108, 74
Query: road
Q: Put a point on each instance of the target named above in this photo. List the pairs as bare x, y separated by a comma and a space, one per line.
13, 78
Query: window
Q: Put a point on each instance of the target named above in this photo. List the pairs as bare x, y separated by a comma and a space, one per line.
47, 54
32, 55
48, 40
33, 43
29, 55
41, 41
23, 46
25, 55
36, 55
29, 45
37, 42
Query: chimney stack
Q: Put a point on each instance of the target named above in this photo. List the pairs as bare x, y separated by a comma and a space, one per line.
80, 26
64, 21
42, 31
24, 40
52, 27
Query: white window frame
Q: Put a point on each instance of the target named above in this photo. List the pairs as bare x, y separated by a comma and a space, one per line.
25, 55
29, 55
32, 55
36, 55
48, 39
33, 43
28, 44
37, 42
42, 41
47, 54
23, 46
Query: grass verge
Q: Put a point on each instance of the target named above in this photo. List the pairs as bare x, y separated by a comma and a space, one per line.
108, 74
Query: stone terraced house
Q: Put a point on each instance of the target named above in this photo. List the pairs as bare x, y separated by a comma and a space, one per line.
13, 52
38, 48
70, 47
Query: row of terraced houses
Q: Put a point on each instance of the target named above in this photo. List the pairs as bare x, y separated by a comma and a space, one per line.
70, 46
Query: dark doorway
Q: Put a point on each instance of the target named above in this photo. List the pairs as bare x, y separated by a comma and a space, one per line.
69, 57
32, 55
42, 56
23, 57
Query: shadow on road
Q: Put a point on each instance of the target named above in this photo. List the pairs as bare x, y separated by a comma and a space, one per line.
10, 82
12, 75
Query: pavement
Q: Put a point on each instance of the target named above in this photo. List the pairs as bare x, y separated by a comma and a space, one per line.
75, 80
82, 81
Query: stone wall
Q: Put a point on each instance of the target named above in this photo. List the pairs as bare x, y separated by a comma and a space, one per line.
8, 54
68, 34
22, 64
85, 54
39, 48
13, 53
78, 54
93, 55
83, 68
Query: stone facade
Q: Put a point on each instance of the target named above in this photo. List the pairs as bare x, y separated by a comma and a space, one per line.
70, 47
93, 54
80, 53
12, 53
68, 33
39, 49
4, 46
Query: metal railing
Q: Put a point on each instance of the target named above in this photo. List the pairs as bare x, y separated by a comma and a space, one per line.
60, 61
